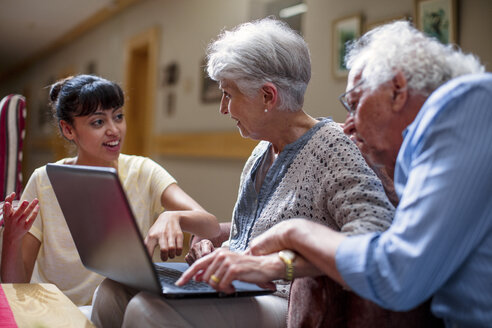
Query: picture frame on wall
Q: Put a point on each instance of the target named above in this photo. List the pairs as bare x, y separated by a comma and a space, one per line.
437, 18
210, 92
344, 30
369, 26
42, 124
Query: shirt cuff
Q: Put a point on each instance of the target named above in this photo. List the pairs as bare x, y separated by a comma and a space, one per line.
351, 260
36, 232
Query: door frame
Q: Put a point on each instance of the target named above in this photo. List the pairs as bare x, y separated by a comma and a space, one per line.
141, 99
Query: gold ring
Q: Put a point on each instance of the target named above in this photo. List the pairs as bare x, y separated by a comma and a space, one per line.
215, 278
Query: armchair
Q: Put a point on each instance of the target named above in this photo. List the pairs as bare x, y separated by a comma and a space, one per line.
12, 133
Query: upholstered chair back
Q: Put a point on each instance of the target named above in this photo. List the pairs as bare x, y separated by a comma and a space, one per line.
12, 133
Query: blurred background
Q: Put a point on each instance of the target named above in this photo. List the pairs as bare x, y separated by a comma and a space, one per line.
155, 49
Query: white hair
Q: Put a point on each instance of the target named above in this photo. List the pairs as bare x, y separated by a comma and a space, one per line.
261, 51
425, 62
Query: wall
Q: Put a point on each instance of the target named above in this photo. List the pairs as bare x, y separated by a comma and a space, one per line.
475, 27
186, 27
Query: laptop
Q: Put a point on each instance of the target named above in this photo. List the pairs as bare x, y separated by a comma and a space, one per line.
108, 240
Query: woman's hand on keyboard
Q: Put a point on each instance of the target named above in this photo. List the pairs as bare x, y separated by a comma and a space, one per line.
221, 267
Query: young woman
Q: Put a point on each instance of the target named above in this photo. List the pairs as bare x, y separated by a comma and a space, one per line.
37, 245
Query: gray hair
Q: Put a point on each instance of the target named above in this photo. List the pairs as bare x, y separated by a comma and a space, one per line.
425, 62
261, 51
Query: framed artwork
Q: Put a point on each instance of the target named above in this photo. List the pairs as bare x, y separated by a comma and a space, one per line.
437, 18
371, 25
42, 124
210, 92
91, 68
344, 30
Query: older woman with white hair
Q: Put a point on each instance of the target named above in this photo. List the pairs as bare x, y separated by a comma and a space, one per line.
302, 167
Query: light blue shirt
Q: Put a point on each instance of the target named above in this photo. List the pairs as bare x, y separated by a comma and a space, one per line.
440, 242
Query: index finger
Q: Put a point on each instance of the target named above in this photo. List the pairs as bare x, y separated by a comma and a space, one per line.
31, 207
150, 244
32, 217
198, 266
10, 198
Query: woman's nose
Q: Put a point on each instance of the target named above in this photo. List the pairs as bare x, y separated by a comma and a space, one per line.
112, 128
223, 106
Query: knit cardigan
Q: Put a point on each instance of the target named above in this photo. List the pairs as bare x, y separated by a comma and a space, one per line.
328, 182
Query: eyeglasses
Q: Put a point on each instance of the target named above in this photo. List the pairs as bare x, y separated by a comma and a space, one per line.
343, 99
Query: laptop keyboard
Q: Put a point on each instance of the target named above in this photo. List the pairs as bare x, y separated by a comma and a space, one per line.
170, 276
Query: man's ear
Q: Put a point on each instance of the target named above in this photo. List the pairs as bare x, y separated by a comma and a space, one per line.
400, 91
67, 130
270, 94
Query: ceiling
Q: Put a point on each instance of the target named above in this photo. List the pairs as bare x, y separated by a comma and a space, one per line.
28, 28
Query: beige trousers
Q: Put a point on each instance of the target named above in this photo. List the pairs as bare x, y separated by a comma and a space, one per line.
116, 305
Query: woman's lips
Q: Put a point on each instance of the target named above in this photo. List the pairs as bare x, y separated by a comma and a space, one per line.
112, 145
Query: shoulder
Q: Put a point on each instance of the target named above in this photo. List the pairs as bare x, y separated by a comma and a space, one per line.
458, 89
131, 159
40, 178
141, 167
39, 174
462, 84
37, 181
466, 98
328, 155
330, 138
331, 128
328, 130
134, 162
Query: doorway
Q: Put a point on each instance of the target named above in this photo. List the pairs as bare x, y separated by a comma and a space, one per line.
140, 89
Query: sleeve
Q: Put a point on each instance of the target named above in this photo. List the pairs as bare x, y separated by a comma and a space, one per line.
442, 216
354, 194
29, 193
159, 180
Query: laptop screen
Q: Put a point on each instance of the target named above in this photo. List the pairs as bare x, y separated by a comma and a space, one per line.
102, 225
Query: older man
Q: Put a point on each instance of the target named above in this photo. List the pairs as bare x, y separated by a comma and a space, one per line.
423, 111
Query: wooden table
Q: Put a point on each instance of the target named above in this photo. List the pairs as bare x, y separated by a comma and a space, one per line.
43, 305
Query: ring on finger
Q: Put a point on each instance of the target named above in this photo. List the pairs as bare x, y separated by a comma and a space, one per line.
215, 279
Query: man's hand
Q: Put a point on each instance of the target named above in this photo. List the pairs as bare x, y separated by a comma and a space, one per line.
275, 239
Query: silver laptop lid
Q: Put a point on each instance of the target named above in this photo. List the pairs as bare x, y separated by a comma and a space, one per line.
102, 224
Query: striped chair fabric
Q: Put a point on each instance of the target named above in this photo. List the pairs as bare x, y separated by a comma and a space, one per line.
12, 133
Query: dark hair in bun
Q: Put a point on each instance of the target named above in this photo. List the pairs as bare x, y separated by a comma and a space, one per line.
82, 95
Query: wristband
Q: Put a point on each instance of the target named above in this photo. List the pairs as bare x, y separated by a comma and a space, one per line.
287, 256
